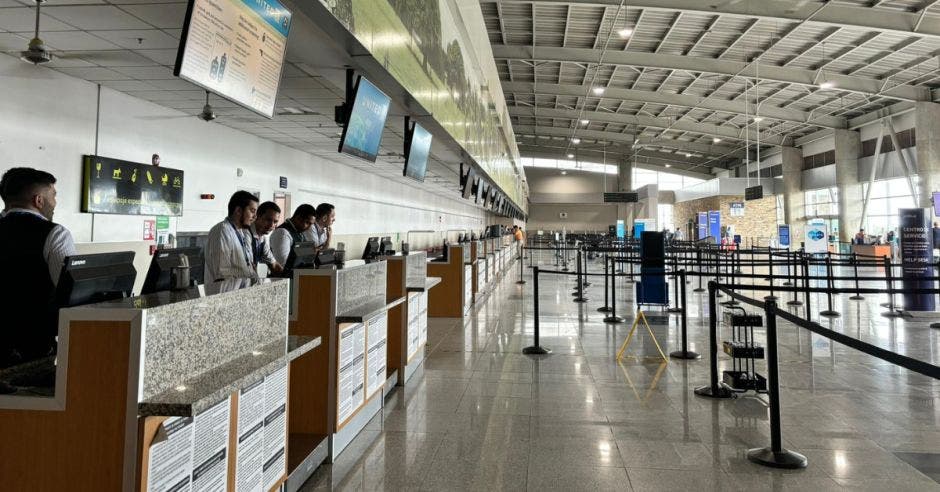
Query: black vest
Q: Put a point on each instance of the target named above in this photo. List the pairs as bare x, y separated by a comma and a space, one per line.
28, 295
296, 237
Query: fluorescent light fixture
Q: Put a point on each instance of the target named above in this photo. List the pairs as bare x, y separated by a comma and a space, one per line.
575, 140
625, 32
716, 140
585, 122
758, 119
827, 84
571, 156
688, 154
563, 172
599, 90
668, 165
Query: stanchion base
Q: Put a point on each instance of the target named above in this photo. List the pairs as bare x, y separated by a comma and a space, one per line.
788, 283
784, 459
857, 298
884, 304
586, 284
707, 392
536, 350
830, 313
603, 309
520, 282
771, 298
698, 289
580, 299
613, 319
892, 314
685, 354
730, 303
674, 310
794, 303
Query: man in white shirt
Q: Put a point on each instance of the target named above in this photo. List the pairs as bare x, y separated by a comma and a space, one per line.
269, 214
322, 231
228, 248
291, 232
32, 252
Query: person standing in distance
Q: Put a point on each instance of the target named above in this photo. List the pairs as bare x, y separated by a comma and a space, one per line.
322, 231
228, 248
269, 214
32, 252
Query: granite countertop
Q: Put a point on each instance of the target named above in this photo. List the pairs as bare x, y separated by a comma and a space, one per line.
428, 283
362, 313
396, 302
164, 298
193, 396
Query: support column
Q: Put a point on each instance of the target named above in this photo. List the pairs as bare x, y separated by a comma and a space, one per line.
625, 211
927, 131
794, 206
848, 144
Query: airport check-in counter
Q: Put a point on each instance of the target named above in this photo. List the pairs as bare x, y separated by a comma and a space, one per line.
479, 270
452, 298
161, 391
338, 390
408, 321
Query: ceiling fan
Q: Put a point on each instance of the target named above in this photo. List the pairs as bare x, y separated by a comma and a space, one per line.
38, 54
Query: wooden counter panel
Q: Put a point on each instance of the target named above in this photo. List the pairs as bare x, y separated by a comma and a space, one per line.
309, 374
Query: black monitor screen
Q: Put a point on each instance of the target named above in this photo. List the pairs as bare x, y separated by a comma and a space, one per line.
371, 249
417, 151
468, 184
365, 123
88, 279
159, 275
302, 255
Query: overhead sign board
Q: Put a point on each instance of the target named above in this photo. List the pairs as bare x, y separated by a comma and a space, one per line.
916, 258
235, 48
113, 186
737, 209
754, 193
621, 197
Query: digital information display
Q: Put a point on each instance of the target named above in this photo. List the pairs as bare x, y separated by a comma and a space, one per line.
417, 164
235, 48
113, 186
362, 134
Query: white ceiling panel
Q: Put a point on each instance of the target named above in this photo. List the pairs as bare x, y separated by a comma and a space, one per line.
74, 41
12, 42
95, 17
94, 73
163, 57
127, 85
24, 19
150, 39
174, 84
161, 15
147, 73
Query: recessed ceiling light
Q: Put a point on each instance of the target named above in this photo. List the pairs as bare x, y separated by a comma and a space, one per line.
571, 156
625, 32
716, 140
688, 154
576, 140
585, 122
827, 84
668, 165
758, 119
564, 172
599, 90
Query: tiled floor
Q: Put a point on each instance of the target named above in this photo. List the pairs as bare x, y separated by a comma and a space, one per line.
482, 416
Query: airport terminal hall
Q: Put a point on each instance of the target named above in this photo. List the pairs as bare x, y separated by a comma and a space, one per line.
469, 245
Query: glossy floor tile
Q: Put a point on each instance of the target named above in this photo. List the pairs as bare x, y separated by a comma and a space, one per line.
480, 415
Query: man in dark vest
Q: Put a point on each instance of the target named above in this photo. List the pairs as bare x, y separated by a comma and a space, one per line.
291, 232
32, 252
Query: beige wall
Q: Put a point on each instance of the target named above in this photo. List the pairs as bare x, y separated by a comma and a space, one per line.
759, 221
580, 217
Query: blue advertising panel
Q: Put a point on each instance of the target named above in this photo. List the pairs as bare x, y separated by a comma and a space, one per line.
714, 225
783, 235
816, 236
621, 229
638, 228
362, 134
416, 162
916, 255
702, 225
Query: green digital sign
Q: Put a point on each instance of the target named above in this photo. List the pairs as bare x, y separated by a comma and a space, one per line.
114, 186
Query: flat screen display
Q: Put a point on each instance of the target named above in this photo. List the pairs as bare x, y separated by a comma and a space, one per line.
113, 186
416, 155
362, 134
482, 191
235, 48
467, 190
936, 203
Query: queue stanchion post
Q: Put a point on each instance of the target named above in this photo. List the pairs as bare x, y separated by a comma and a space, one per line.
892, 311
580, 292
774, 456
536, 348
718, 263
806, 286
685, 353
521, 280
675, 283
732, 278
770, 261
701, 270
686, 258
858, 295
713, 390
830, 284
612, 317
584, 273
607, 268
788, 282
791, 259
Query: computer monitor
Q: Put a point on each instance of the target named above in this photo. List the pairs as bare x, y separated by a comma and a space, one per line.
159, 274
328, 257
386, 247
302, 255
371, 249
87, 279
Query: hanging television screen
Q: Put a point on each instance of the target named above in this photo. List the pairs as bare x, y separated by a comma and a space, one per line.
365, 122
482, 191
417, 150
466, 183
235, 48
114, 186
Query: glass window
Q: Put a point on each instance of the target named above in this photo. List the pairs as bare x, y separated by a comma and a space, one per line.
887, 197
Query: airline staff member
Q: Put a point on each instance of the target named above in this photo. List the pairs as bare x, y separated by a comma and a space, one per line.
228, 248
32, 252
291, 232
269, 214
322, 231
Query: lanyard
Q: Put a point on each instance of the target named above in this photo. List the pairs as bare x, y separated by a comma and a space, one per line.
241, 240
